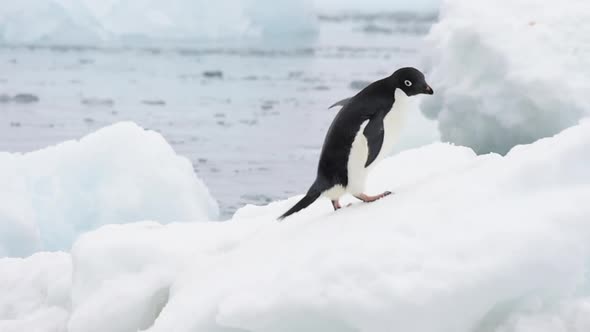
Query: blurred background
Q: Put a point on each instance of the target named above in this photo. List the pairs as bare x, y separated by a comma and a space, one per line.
242, 88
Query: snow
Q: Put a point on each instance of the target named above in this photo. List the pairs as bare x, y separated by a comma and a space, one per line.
466, 243
91, 22
35, 293
508, 72
118, 174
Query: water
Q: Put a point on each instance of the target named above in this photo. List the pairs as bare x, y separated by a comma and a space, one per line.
251, 117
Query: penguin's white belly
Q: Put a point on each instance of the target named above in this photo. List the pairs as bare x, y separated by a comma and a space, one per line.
359, 152
335, 192
393, 124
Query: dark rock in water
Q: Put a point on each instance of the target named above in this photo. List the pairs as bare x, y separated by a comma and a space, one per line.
5, 99
15, 124
374, 28
213, 74
311, 79
295, 74
25, 98
358, 84
322, 88
253, 198
219, 115
155, 102
85, 61
257, 78
104, 102
268, 104
249, 122
88, 120
223, 123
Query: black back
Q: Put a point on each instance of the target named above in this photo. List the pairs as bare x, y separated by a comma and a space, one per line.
372, 103
375, 100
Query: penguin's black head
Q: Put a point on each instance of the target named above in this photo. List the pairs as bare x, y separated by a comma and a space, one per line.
411, 81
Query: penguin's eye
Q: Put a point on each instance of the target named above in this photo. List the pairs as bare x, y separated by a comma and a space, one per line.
408, 83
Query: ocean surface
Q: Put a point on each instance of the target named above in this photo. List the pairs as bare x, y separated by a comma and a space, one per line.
251, 116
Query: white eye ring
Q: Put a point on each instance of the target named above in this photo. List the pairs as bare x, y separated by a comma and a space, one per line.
407, 83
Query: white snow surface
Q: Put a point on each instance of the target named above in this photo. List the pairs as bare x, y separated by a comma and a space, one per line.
508, 72
466, 244
121, 173
35, 293
89, 22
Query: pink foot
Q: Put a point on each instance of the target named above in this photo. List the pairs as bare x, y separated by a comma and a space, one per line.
367, 199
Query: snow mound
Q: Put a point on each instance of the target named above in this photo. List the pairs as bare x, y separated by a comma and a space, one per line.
118, 174
88, 22
467, 243
508, 72
35, 293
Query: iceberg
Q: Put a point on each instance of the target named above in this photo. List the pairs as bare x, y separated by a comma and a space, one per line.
376, 6
118, 174
467, 243
508, 72
92, 22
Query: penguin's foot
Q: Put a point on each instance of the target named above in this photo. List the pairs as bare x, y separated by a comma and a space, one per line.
367, 199
336, 205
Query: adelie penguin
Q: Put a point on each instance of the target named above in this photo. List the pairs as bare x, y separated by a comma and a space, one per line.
363, 132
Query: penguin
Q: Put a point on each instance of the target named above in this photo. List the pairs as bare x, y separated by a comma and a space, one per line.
362, 134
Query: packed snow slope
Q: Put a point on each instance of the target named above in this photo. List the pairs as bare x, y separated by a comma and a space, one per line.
118, 174
508, 72
467, 244
35, 293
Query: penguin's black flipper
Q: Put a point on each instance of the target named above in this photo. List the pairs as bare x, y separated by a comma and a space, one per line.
342, 102
374, 132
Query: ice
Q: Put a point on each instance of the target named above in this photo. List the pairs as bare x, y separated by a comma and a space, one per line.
90, 22
376, 6
29, 21
118, 174
508, 72
467, 243
35, 293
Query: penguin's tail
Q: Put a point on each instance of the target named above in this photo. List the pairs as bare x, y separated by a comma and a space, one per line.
312, 195
342, 102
